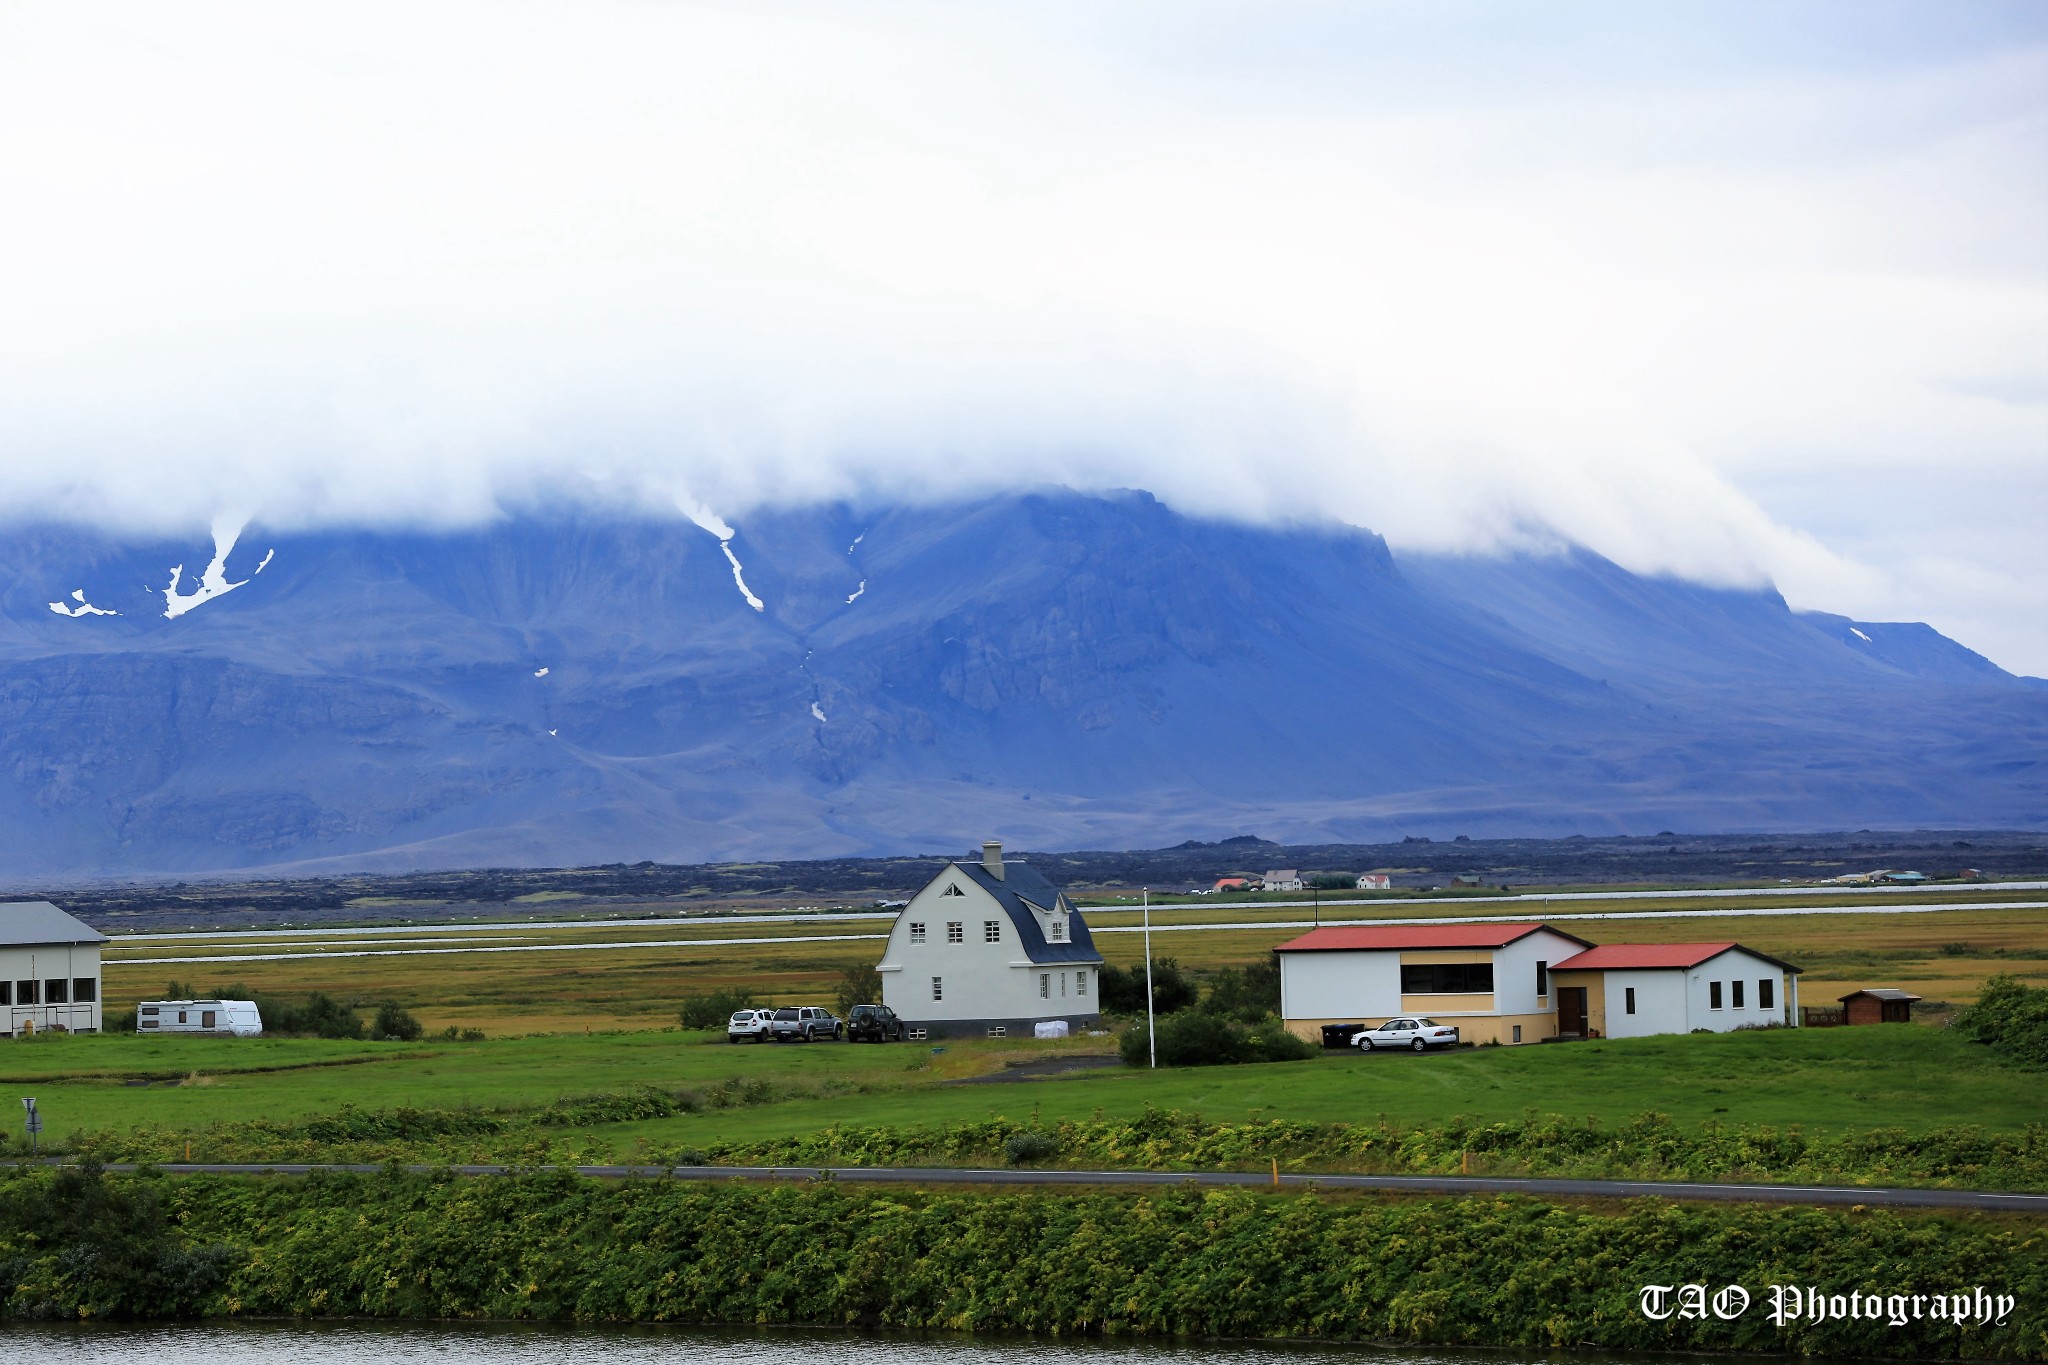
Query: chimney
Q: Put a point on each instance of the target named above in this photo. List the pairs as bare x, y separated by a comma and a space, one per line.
992, 857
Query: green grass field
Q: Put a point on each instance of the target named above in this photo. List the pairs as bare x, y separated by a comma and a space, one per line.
1843, 1080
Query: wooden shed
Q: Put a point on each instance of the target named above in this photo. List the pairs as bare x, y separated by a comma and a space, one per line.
1878, 1005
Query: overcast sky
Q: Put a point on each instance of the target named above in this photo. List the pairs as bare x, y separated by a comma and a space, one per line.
1731, 290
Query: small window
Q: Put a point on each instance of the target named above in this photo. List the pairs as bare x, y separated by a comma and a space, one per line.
1057, 931
85, 990
956, 932
149, 1023
916, 932
57, 992
1542, 978
1713, 995
1080, 983
991, 931
1045, 985
206, 1018
1518, 1033
149, 1011
938, 988
1063, 985
1735, 998
1628, 996
25, 993
1766, 994
998, 1030
181, 1016
952, 891
915, 1035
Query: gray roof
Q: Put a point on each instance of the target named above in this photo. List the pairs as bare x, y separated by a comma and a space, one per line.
25, 924
1881, 993
1020, 883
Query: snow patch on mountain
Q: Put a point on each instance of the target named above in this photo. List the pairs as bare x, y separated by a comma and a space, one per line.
540, 672
857, 592
717, 526
214, 581
1860, 635
82, 607
817, 713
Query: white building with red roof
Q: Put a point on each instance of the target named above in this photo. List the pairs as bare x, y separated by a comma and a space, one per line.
1523, 982
1489, 980
1629, 990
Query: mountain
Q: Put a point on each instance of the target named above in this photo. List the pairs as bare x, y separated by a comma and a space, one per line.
1057, 669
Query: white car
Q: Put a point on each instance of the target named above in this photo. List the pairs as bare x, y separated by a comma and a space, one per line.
749, 1024
1411, 1031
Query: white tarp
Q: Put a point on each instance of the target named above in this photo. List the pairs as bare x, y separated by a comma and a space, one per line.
1051, 1028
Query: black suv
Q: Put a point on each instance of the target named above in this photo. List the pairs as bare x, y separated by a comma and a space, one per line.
873, 1024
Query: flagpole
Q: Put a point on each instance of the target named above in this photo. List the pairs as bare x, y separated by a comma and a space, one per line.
1151, 1034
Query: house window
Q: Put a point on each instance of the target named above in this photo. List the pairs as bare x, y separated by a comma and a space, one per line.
1063, 985
991, 931
1713, 995
1736, 998
1057, 933
1080, 983
1628, 996
1518, 1033
956, 932
85, 990
916, 932
1766, 994
998, 1030
952, 891
1447, 978
6, 992
57, 992
1542, 979
938, 988
1045, 985
24, 992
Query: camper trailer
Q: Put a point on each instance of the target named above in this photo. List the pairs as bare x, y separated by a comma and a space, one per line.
228, 1018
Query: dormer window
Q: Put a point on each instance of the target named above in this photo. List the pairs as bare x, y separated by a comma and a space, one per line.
1056, 931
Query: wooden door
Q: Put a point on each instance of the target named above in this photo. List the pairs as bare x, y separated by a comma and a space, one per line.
1571, 1011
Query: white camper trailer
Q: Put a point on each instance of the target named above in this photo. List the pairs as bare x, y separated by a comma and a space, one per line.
235, 1018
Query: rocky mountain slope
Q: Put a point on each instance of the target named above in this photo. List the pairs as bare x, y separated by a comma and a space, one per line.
1062, 670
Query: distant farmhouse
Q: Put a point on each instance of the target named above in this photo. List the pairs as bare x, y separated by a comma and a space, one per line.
990, 948
49, 970
1375, 881
1283, 879
1525, 982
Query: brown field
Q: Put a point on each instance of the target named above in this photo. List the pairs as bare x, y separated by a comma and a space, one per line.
1943, 955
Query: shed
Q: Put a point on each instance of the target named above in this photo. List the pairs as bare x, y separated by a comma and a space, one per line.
1878, 1005
49, 970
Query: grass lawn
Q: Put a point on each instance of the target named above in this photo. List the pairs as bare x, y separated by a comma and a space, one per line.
1842, 1080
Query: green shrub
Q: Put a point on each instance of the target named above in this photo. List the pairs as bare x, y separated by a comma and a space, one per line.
1121, 990
1247, 994
860, 985
1205, 1038
1023, 1148
396, 1023
712, 1010
2012, 1017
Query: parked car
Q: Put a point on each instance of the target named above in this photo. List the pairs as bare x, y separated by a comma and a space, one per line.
804, 1025
1410, 1031
750, 1026
873, 1024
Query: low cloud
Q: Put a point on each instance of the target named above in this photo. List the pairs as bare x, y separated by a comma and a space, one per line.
421, 263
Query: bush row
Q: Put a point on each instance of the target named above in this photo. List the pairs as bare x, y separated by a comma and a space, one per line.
1495, 1272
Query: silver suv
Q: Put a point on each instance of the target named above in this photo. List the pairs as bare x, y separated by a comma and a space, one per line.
804, 1025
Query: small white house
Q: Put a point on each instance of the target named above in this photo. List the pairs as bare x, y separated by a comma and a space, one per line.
49, 970
1375, 881
1283, 879
236, 1018
1629, 990
990, 948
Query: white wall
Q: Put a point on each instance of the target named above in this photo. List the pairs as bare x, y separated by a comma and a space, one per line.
982, 980
1660, 1003
1340, 985
1728, 968
1514, 972
45, 962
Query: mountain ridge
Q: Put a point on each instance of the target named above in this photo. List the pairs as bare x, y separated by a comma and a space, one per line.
1067, 669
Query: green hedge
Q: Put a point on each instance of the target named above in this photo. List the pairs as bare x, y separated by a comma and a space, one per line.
1494, 1272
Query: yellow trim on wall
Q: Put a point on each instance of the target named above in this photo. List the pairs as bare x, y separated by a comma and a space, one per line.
1447, 1004
1595, 983
1435, 955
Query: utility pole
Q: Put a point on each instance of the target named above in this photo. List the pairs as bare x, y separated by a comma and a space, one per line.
1151, 1034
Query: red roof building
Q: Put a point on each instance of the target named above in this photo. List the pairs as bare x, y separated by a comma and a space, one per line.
1394, 937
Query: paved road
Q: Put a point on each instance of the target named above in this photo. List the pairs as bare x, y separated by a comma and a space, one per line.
1394, 1184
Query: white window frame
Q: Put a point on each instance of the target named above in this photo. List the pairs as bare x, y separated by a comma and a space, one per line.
991, 931
938, 988
956, 931
917, 931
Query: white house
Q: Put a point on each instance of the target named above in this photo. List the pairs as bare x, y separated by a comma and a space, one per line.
49, 970
1524, 982
990, 948
1283, 879
1628, 990
1375, 881
1490, 981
